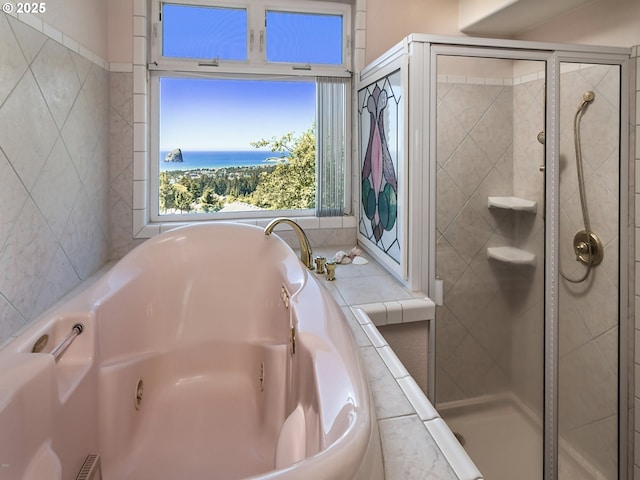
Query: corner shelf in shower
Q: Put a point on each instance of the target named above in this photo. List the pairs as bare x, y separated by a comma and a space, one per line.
513, 203
512, 255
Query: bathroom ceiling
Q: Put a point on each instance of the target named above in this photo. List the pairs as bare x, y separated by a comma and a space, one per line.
509, 17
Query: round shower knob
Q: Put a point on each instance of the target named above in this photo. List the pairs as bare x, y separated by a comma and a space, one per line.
588, 248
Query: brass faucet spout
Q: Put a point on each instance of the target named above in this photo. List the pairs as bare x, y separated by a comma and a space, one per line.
306, 253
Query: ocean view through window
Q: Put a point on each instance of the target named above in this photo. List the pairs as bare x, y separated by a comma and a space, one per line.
223, 142
233, 132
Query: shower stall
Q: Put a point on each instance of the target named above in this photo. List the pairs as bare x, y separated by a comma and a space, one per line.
511, 207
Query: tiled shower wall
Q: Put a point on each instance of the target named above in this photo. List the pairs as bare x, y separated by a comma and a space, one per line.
528, 182
54, 168
475, 151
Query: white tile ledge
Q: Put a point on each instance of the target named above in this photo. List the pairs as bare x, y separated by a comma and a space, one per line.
400, 311
456, 456
143, 228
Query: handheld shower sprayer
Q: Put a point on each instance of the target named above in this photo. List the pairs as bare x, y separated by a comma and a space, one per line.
587, 245
587, 97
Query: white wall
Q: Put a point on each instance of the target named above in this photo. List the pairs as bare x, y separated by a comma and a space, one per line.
82, 20
120, 31
389, 22
605, 22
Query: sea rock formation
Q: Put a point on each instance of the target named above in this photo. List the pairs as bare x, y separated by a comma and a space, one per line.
174, 156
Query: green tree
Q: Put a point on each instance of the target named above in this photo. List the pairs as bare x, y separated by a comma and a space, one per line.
292, 185
209, 201
194, 187
167, 193
183, 197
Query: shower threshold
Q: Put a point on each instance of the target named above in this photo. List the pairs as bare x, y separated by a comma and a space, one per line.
504, 439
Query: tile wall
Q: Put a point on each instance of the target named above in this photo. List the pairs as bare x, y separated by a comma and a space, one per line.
54, 168
474, 161
528, 182
121, 164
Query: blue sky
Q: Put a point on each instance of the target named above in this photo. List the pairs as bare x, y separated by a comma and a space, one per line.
216, 114
207, 114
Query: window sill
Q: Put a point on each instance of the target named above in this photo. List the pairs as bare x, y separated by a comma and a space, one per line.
150, 229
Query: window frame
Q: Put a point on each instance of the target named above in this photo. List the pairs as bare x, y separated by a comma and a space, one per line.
256, 53
154, 150
254, 68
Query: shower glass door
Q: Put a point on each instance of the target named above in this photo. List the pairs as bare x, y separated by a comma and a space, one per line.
588, 261
490, 241
532, 338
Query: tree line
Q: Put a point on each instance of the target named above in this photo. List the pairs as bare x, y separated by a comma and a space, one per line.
286, 185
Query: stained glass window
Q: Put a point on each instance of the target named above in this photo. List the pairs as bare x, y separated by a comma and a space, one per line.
381, 154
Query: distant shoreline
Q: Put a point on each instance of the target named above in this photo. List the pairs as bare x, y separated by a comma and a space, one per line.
197, 171
214, 160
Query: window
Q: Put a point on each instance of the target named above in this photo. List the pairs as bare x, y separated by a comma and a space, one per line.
249, 109
212, 32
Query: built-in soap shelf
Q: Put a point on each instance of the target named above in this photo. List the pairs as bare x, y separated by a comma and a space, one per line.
513, 203
512, 255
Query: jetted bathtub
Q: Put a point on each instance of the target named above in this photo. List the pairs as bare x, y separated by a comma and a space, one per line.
208, 352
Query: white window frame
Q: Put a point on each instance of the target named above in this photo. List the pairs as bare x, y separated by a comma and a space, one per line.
256, 40
255, 67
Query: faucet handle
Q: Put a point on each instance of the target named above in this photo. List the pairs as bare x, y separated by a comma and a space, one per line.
331, 271
320, 262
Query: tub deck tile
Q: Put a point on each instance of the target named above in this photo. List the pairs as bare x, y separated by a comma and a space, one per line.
388, 397
410, 453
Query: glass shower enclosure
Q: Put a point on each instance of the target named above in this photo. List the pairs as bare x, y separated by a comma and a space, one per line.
513, 200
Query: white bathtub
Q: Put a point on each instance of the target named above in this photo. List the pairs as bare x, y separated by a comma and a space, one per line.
198, 315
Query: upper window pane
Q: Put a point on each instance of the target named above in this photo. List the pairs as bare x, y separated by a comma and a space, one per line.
304, 38
204, 32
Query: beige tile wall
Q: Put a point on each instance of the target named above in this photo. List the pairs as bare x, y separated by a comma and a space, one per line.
54, 193
475, 134
121, 164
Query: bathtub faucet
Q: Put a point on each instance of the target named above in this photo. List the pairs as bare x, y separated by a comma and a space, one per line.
305, 247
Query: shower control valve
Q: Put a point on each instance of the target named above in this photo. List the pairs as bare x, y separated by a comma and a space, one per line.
588, 248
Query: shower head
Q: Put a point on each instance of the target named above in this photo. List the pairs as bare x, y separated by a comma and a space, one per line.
587, 97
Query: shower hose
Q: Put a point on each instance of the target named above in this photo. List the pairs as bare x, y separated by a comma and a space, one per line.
586, 99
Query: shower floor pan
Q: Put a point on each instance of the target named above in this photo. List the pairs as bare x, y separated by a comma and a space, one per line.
504, 439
